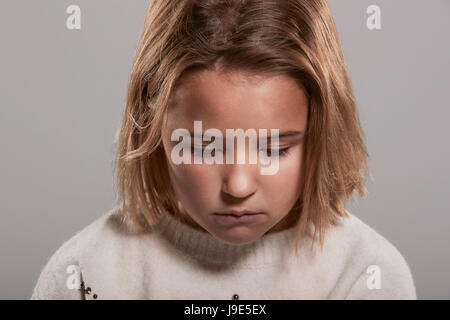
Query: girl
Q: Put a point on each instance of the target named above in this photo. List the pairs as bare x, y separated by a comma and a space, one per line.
207, 229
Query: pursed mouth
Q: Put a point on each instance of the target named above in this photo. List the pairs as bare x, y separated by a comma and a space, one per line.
237, 215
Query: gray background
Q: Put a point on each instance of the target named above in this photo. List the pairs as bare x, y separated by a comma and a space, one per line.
63, 93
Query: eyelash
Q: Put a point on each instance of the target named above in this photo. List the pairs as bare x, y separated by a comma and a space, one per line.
281, 152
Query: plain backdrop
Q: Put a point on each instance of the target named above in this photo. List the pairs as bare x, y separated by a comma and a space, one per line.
62, 94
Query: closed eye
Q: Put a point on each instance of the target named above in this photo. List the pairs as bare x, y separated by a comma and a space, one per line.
281, 152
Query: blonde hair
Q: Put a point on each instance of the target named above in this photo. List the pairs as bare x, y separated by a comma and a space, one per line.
293, 37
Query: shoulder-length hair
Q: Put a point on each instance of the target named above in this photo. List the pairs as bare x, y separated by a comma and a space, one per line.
292, 37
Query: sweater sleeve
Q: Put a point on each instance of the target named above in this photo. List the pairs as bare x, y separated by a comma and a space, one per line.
388, 278
61, 277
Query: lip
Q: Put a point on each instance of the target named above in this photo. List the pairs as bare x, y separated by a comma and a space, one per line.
237, 213
231, 217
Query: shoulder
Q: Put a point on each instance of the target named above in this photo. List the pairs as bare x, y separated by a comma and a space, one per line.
62, 274
375, 267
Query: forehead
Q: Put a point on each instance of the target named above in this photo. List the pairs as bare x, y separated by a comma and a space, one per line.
237, 99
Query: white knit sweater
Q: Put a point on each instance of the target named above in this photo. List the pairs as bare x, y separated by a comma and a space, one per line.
176, 261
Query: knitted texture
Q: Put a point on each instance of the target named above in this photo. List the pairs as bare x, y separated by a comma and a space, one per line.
172, 260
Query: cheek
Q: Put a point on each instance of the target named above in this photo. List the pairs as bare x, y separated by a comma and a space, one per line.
284, 187
193, 183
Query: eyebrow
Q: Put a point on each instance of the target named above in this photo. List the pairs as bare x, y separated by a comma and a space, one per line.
285, 134
291, 133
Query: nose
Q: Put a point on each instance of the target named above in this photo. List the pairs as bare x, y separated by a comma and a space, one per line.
239, 180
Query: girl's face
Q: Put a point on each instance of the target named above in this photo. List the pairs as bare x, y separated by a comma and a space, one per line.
236, 100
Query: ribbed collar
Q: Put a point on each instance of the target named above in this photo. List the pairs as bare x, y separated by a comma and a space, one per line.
271, 248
